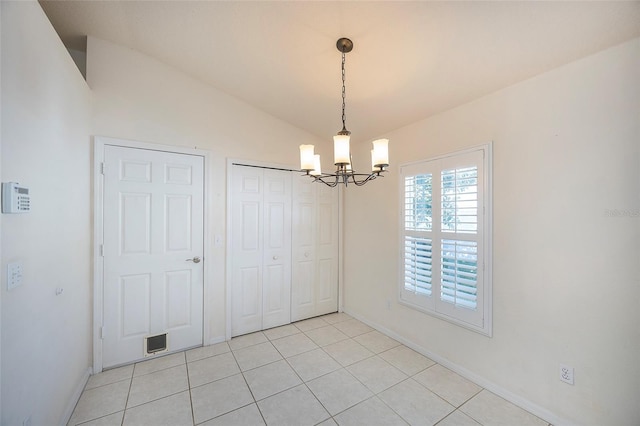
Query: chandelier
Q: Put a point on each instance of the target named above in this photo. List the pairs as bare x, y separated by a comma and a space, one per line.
345, 173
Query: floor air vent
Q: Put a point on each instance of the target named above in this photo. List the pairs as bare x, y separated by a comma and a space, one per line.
155, 344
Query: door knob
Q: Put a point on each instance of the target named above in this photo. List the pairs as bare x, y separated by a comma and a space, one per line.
194, 260
275, 257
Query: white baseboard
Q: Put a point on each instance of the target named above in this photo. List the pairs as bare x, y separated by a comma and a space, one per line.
68, 411
521, 402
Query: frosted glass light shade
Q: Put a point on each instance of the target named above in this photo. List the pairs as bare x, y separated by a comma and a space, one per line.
341, 149
374, 168
317, 169
306, 157
380, 153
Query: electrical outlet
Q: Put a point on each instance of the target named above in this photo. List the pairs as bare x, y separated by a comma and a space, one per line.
566, 374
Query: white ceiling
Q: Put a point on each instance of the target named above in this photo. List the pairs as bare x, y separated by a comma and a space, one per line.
411, 59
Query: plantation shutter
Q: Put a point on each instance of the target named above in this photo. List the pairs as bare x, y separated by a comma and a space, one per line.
417, 238
442, 235
418, 259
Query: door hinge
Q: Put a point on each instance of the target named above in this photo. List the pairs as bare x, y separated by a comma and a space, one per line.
101, 250
101, 333
102, 168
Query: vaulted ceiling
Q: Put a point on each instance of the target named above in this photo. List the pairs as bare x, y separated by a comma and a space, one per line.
411, 60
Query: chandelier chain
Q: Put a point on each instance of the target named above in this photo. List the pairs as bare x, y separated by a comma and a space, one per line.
344, 117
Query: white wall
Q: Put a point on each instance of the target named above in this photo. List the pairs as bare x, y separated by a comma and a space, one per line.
566, 286
46, 342
137, 97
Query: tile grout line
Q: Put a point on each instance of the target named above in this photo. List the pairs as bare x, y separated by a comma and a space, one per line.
419, 384
247, 385
308, 388
124, 411
162, 397
193, 414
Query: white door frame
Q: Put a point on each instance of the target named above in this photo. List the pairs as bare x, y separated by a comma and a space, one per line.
230, 163
98, 237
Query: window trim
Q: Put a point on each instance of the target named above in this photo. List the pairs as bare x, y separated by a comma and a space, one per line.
423, 303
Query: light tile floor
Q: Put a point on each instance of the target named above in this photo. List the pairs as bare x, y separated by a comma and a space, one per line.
323, 371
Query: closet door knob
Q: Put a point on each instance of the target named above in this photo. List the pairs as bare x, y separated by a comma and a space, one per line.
306, 254
275, 257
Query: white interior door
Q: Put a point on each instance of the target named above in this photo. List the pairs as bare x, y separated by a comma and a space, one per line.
153, 232
260, 249
326, 285
314, 288
276, 293
246, 251
304, 250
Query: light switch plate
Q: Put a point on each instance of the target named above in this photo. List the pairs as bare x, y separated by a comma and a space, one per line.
14, 275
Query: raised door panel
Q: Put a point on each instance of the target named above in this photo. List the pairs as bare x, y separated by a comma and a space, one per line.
178, 215
178, 299
303, 291
326, 286
134, 308
275, 304
247, 300
135, 223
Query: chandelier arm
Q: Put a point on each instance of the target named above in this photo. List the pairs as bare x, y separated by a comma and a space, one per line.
372, 176
321, 178
344, 177
329, 184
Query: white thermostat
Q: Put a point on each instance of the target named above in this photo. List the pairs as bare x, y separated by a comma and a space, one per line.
15, 198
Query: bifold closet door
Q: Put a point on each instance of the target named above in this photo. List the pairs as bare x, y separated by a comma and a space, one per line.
314, 288
261, 249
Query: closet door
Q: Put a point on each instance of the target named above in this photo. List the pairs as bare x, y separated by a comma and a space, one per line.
246, 251
261, 249
304, 249
315, 249
326, 284
276, 283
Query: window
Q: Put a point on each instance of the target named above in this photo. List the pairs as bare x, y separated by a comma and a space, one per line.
446, 236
